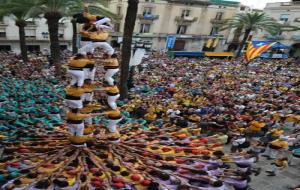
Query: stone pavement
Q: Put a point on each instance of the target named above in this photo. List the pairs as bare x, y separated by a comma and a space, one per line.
287, 177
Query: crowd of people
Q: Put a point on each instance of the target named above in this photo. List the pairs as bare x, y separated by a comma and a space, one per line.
187, 124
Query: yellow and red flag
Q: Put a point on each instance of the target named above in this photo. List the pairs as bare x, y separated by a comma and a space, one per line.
255, 48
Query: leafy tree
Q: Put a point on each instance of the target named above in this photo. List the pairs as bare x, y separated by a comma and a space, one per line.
249, 22
20, 11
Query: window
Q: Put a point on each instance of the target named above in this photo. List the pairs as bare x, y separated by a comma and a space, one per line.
63, 47
214, 31
61, 33
243, 8
147, 11
32, 48
145, 28
119, 10
5, 48
117, 27
284, 17
185, 13
219, 16
181, 29
2, 33
30, 33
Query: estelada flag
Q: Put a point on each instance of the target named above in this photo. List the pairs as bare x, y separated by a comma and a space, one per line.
255, 48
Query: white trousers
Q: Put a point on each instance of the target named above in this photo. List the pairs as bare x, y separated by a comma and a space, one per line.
76, 129
90, 47
89, 74
88, 120
77, 77
76, 104
102, 21
87, 48
112, 125
105, 46
111, 100
83, 43
272, 152
109, 75
88, 97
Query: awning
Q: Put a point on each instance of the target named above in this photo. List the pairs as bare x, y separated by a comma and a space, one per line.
279, 45
219, 54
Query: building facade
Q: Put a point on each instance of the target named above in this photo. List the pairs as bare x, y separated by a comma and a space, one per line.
36, 32
195, 23
287, 13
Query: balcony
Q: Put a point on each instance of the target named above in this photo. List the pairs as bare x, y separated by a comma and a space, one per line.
3, 24
217, 21
62, 25
185, 20
276, 37
296, 37
119, 16
30, 23
61, 36
148, 17
30, 37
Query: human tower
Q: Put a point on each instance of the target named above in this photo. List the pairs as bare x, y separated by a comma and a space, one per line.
80, 92
174, 157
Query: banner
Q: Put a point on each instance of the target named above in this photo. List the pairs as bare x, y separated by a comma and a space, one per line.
170, 42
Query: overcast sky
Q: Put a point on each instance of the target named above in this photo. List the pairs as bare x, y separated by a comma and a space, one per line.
259, 4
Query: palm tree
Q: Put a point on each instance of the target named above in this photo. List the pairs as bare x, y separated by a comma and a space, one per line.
251, 22
126, 48
20, 11
53, 11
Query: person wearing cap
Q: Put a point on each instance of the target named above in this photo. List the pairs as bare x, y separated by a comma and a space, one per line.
275, 146
278, 164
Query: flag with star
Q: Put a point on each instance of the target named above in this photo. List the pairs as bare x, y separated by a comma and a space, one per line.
255, 48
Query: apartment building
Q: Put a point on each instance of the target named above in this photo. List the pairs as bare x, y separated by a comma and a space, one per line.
194, 23
37, 36
287, 13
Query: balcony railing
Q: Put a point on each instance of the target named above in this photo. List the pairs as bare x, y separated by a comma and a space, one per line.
276, 37
62, 24
148, 16
296, 37
217, 21
30, 23
185, 20
3, 24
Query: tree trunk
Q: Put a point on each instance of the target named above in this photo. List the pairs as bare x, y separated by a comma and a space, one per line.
23, 47
241, 47
53, 26
126, 48
74, 40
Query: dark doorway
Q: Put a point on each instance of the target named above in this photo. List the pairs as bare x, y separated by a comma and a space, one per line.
63, 47
179, 45
295, 51
5, 48
33, 48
